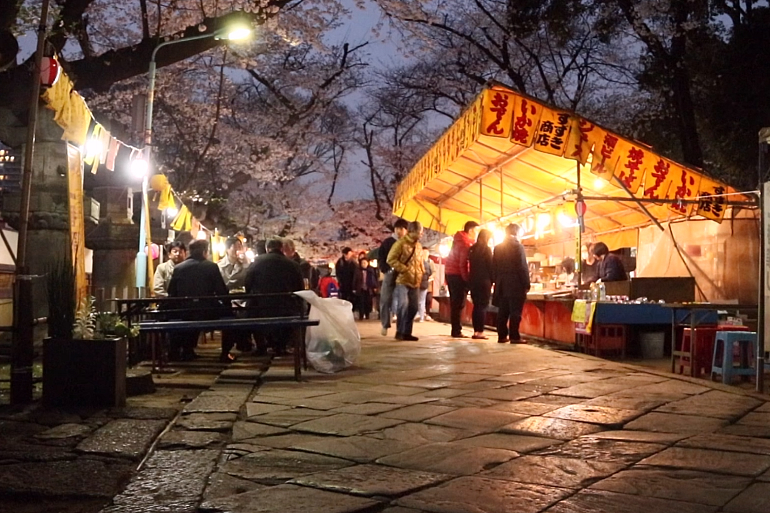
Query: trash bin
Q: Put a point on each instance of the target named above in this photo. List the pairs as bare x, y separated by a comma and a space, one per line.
652, 344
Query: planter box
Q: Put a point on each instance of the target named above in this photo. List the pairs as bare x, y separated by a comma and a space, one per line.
84, 373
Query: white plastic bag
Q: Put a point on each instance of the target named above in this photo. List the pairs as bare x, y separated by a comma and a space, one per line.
335, 343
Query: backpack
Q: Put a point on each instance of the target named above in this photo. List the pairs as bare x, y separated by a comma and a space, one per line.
332, 290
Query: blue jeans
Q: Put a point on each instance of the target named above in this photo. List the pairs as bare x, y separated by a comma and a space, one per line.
407, 299
421, 305
386, 298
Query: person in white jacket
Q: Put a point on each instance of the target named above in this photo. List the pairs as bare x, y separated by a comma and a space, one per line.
177, 252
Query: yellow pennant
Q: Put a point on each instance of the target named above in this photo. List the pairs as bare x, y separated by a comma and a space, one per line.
526, 116
496, 116
711, 203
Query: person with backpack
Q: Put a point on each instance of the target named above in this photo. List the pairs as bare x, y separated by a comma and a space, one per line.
327, 285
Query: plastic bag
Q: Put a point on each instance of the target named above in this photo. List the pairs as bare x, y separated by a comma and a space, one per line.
335, 343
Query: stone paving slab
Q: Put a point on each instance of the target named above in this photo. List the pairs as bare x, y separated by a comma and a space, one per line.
671, 386
448, 458
749, 431
466, 401
554, 470
516, 443
422, 433
221, 485
727, 443
674, 423
755, 499
289, 499
373, 480
182, 439
315, 403
481, 495
724, 462
714, 403
207, 421
362, 449
590, 390
287, 440
346, 424
219, 402
755, 419
246, 430
417, 412
126, 438
287, 418
170, 481
681, 485
277, 466
254, 409
512, 393
396, 390
77, 478
551, 428
628, 400
610, 417
64, 431
525, 407
367, 408
641, 436
597, 501
475, 419
602, 449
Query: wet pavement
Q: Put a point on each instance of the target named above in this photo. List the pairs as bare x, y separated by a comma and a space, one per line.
440, 425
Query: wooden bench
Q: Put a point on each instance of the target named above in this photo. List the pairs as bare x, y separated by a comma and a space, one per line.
249, 323
156, 316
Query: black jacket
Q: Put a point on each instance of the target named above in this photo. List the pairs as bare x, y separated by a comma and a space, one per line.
269, 274
611, 269
480, 258
346, 273
382, 253
308, 271
195, 277
510, 270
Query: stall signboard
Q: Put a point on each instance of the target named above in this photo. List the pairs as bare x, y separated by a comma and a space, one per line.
496, 134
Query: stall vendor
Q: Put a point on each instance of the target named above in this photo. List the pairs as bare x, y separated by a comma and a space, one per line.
610, 266
589, 268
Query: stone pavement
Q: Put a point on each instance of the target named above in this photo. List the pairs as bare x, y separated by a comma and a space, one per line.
438, 425
444, 425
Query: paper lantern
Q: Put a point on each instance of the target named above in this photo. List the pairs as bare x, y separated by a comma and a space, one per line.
158, 182
154, 250
49, 71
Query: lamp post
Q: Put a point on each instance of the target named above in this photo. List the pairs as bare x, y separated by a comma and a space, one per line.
144, 259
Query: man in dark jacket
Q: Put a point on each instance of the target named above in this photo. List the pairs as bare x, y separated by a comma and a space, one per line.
610, 266
309, 272
511, 275
388, 275
346, 270
457, 275
273, 273
197, 276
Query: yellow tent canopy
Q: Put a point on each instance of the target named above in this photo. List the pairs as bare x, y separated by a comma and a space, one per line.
510, 157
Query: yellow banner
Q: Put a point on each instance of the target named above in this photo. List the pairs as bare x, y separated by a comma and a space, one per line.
526, 116
72, 114
77, 223
683, 187
631, 165
711, 203
497, 116
603, 154
657, 179
581, 140
553, 132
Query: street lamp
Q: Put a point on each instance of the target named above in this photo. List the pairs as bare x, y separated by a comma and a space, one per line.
143, 259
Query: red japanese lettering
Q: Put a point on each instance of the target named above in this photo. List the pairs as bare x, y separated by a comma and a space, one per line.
500, 108
660, 173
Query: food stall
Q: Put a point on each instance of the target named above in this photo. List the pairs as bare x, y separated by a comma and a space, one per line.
568, 181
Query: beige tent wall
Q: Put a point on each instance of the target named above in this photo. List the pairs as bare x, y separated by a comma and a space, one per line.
723, 258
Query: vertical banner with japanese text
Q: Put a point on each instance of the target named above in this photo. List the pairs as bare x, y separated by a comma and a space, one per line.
77, 222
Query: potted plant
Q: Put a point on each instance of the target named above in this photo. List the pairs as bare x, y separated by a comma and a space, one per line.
84, 360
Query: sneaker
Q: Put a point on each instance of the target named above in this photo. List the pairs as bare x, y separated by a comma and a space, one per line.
517, 341
384, 332
409, 338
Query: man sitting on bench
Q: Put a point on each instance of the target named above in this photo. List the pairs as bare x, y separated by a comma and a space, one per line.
273, 273
197, 276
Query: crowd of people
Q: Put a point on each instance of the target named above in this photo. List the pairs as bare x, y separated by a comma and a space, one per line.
399, 287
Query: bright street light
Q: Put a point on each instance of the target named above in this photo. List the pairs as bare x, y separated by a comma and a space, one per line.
143, 260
